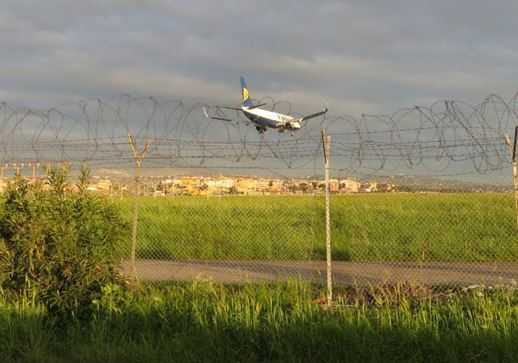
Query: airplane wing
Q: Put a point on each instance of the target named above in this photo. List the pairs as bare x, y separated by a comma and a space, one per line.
256, 106
305, 118
228, 108
221, 118
217, 117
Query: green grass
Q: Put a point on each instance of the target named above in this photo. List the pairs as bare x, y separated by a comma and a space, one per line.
203, 321
376, 227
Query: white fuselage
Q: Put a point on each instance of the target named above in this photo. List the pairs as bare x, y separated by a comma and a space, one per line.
265, 118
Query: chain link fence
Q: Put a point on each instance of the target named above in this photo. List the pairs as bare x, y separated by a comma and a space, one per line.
270, 229
423, 194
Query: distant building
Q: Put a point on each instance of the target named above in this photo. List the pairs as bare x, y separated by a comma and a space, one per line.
225, 183
245, 185
385, 187
369, 187
104, 186
305, 186
220, 185
349, 186
275, 186
334, 186
263, 185
158, 193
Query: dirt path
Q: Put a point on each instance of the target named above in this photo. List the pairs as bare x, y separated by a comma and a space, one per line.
344, 273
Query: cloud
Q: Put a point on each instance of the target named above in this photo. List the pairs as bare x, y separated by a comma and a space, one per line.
373, 54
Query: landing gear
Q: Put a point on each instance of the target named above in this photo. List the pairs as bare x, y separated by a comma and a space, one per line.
260, 129
282, 129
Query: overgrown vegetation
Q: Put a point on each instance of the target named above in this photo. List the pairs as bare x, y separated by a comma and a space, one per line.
58, 261
376, 227
57, 243
203, 321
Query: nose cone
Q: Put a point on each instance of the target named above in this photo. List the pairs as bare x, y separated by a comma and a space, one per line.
295, 125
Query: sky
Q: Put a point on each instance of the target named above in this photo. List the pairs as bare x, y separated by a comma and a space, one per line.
367, 56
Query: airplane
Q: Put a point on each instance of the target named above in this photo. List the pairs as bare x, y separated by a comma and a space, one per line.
264, 119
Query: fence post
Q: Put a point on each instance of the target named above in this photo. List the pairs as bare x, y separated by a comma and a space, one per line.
512, 150
139, 156
326, 142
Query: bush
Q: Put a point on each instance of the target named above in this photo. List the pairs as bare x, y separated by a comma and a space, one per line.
57, 245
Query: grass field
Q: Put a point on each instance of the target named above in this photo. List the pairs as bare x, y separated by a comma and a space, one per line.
203, 321
374, 227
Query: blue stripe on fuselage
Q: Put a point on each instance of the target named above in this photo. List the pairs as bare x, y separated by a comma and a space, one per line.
261, 121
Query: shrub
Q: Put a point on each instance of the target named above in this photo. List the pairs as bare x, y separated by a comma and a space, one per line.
57, 245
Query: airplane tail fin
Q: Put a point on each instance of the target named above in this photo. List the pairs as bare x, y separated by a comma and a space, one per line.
247, 101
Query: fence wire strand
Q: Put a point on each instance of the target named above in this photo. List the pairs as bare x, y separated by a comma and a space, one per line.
96, 131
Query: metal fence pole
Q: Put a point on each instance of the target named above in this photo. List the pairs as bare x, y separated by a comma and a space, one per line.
139, 156
512, 149
326, 142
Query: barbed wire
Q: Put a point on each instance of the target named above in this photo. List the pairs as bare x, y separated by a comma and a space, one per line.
432, 138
